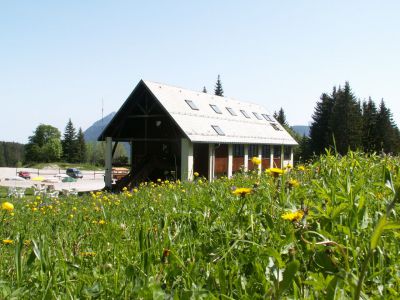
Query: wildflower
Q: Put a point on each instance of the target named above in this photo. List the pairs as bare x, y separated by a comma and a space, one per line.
135, 190
8, 242
196, 174
293, 183
101, 222
7, 206
301, 168
200, 181
74, 208
276, 172
71, 216
158, 180
289, 166
27, 242
256, 160
166, 252
88, 254
293, 216
242, 191
124, 189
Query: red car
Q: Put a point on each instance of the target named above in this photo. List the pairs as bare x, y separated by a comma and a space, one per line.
24, 174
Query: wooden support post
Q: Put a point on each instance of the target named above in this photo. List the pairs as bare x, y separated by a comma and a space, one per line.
186, 160
291, 156
282, 156
246, 158
230, 160
108, 163
211, 162
271, 157
259, 147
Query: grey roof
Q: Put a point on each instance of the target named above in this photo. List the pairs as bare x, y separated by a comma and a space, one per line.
199, 125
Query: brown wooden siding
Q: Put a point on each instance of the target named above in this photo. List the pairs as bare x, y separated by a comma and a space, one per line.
238, 163
221, 160
265, 163
277, 163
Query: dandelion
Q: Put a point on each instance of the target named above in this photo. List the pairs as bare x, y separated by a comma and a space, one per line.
289, 166
71, 216
135, 190
8, 242
242, 191
293, 216
158, 180
276, 172
7, 206
256, 160
124, 189
293, 183
301, 168
88, 254
101, 222
196, 174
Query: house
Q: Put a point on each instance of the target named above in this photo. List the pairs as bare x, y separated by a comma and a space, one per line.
174, 132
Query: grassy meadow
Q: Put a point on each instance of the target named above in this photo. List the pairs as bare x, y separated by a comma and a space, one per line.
327, 230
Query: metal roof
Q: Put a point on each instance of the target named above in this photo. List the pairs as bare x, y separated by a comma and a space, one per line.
198, 124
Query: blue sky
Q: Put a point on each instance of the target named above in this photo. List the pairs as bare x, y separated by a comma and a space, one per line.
58, 60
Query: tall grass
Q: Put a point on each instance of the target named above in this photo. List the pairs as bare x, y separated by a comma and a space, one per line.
201, 240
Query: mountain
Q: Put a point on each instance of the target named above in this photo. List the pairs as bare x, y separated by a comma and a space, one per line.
92, 133
302, 129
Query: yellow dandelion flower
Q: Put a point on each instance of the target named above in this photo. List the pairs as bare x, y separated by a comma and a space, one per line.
7, 206
124, 189
276, 171
242, 191
301, 168
293, 216
135, 190
8, 242
256, 160
71, 216
158, 180
101, 222
293, 183
196, 174
88, 254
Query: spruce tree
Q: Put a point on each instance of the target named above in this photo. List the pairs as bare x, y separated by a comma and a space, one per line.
218, 88
320, 130
281, 117
81, 146
204, 90
388, 141
69, 144
369, 132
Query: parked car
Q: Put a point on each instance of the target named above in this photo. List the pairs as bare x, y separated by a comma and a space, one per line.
24, 174
74, 173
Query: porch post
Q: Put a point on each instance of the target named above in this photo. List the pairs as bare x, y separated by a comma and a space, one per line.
186, 160
230, 160
246, 158
271, 157
211, 162
291, 156
108, 163
259, 148
282, 156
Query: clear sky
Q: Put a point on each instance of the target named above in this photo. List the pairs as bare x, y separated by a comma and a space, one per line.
58, 60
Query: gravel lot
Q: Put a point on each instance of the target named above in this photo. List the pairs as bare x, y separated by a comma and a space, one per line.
91, 180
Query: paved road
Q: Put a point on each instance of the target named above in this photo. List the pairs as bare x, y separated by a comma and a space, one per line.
91, 181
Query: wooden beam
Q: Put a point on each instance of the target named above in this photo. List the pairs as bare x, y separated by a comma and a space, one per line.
114, 148
146, 116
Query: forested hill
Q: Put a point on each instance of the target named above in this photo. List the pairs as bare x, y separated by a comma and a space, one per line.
11, 154
93, 132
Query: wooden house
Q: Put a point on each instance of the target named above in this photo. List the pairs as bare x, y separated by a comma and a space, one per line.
174, 132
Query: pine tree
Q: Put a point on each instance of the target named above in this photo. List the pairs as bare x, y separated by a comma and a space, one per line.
387, 140
2, 159
320, 130
281, 117
81, 146
346, 121
204, 90
69, 144
369, 132
218, 88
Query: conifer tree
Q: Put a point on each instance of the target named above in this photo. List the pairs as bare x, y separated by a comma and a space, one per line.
204, 90
387, 140
281, 117
218, 88
81, 146
369, 132
69, 144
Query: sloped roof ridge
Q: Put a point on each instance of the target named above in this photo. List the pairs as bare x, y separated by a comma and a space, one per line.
200, 92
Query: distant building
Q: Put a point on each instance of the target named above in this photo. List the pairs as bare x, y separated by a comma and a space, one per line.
175, 132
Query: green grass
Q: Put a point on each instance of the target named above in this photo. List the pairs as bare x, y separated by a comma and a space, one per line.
199, 240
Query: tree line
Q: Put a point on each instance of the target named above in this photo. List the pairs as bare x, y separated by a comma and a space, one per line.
11, 154
341, 123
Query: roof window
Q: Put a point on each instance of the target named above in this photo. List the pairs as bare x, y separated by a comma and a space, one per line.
191, 104
216, 108
245, 114
268, 118
231, 111
275, 126
218, 130
257, 115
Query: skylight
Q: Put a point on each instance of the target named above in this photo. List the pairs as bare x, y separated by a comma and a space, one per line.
245, 114
216, 109
191, 104
275, 126
268, 118
231, 111
218, 130
257, 115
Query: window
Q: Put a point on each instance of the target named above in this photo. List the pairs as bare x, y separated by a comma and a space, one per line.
245, 114
238, 150
266, 151
275, 126
218, 130
216, 109
277, 151
231, 111
257, 115
286, 152
268, 118
191, 104
253, 151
